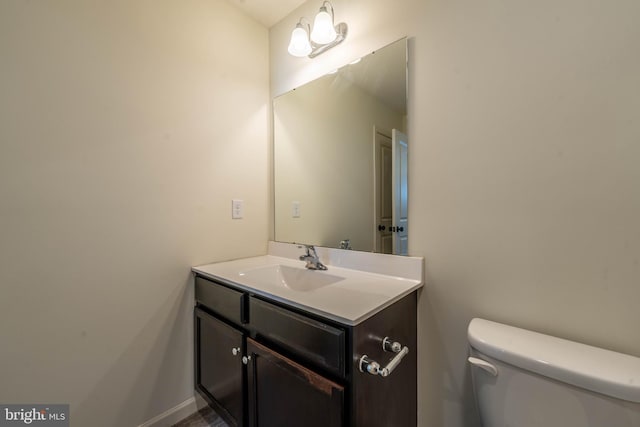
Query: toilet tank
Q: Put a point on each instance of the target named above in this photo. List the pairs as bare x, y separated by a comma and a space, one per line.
527, 379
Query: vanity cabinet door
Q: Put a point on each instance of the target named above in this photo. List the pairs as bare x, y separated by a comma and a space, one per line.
283, 393
218, 360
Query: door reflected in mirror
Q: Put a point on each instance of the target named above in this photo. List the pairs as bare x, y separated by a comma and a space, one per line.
340, 157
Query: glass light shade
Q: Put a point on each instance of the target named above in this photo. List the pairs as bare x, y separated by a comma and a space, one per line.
323, 29
299, 45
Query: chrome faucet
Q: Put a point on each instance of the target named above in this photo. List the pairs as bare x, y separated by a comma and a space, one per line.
311, 258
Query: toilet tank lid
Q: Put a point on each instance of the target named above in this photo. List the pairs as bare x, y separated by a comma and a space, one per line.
592, 368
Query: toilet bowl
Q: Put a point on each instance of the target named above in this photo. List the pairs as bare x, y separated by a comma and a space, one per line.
527, 379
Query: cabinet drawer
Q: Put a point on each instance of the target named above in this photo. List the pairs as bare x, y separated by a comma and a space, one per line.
310, 339
224, 301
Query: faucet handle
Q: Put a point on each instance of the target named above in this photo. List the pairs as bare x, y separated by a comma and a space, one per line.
308, 249
311, 258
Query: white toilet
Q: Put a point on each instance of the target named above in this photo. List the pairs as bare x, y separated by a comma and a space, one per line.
526, 379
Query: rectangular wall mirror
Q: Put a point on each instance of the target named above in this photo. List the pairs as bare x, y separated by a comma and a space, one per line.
340, 157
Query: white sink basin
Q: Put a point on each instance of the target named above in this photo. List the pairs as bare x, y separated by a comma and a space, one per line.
296, 279
352, 290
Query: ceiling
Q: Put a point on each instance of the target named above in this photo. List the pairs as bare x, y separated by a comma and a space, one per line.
267, 12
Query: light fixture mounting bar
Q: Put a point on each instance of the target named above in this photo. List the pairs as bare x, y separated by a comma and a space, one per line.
317, 49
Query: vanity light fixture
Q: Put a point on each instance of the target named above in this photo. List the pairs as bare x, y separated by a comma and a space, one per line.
324, 35
300, 45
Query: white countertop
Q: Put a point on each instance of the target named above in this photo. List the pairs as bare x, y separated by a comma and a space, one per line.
355, 297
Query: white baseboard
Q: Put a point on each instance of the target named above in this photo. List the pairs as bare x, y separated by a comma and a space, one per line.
177, 413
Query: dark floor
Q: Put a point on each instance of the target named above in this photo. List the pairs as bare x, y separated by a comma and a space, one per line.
203, 418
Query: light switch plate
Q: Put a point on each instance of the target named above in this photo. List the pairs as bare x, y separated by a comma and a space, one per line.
295, 209
237, 209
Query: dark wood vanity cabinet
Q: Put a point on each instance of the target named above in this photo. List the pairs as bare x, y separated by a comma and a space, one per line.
262, 363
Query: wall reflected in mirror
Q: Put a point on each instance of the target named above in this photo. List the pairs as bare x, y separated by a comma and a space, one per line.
340, 157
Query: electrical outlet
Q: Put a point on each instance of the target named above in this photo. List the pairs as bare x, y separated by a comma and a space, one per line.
295, 209
237, 209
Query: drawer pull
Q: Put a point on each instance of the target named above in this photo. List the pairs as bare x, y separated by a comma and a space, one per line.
372, 367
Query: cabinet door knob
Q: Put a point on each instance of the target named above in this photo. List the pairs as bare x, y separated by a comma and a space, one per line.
246, 359
235, 351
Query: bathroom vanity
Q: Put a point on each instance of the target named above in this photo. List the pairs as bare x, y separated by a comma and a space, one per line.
278, 345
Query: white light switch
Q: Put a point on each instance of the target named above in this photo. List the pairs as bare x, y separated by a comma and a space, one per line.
237, 209
295, 209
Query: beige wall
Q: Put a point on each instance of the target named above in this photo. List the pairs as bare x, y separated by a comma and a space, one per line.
523, 179
126, 128
328, 169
